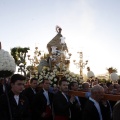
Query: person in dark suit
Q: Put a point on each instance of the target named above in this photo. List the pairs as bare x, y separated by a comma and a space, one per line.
105, 106
43, 102
15, 106
4, 86
30, 93
106, 110
92, 109
116, 111
62, 102
76, 108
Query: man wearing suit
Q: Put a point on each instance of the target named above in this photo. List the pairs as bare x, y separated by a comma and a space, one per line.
116, 111
92, 109
15, 106
43, 102
76, 108
3, 86
30, 93
62, 102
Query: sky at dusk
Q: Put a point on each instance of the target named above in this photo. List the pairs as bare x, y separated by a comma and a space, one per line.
90, 26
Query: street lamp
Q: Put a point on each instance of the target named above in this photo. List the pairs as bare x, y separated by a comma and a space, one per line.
80, 64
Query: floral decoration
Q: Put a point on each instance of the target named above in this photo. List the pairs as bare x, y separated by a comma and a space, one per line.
7, 64
53, 75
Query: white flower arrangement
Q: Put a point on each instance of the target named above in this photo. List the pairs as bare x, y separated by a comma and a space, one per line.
7, 63
54, 85
52, 76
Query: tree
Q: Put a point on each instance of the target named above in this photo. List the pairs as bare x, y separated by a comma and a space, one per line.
19, 54
111, 70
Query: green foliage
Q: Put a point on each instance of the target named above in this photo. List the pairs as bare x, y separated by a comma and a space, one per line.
17, 52
111, 70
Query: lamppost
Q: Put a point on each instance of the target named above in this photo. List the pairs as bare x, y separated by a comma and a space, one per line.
81, 64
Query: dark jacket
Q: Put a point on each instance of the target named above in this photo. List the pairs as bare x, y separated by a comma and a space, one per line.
116, 111
19, 112
90, 112
7, 88
76, 110
61, 105
106, 111
40, 104
28, 92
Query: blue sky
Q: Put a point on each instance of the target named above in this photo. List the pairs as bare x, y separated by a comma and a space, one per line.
92, 26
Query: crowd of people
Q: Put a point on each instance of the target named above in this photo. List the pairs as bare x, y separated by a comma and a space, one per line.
18, 102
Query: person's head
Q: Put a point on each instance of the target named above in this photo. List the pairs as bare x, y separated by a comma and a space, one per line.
40, 85
63, 85
17, 83
46, 84
73, 86
95, 83
85, 86
116, 86
104, 86
33, 82
97, 92
110, 85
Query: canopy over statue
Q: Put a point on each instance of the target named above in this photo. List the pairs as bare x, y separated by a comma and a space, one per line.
56, 41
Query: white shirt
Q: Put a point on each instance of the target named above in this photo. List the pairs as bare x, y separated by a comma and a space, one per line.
3, 88
46, 96
65, 96
67, 101
33, 90
77, 100
16, 98
97, 107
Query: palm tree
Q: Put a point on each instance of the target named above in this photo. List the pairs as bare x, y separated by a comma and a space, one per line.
111, 70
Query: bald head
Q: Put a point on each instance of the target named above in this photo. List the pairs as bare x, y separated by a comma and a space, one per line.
97, 92
96, 88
